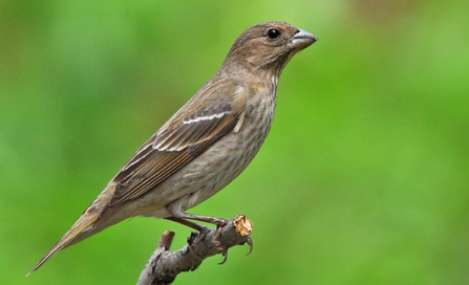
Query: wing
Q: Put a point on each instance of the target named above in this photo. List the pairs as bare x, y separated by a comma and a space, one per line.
211, 114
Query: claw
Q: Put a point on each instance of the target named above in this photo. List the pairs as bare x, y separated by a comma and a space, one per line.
191, 238
225, 257
250, 244
218, 245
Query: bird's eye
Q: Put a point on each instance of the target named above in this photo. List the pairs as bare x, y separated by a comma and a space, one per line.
273, 33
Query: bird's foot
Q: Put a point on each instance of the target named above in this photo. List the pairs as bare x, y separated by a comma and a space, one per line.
250, 244
223, 249
216, 240
195, 238
198, 236
224, 253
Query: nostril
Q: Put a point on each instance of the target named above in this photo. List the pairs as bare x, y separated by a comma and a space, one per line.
297, 31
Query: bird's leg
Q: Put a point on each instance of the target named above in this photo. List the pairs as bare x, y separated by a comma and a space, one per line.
187, 223
181, 216
219, 222
202, 231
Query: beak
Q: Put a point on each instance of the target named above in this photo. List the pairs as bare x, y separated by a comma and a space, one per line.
303, 39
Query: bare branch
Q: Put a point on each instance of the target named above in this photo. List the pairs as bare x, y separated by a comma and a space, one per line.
164, 265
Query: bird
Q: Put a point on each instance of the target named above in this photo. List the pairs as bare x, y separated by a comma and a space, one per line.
205, 145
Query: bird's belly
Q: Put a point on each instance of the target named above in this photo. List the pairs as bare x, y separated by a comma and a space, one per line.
217, 167
213, 169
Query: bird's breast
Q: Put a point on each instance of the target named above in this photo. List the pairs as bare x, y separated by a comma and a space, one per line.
259, 113
260, 108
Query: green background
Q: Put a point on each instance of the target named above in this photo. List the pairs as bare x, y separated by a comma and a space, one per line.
363, 180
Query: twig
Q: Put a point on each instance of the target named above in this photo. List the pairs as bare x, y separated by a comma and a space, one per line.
164, 265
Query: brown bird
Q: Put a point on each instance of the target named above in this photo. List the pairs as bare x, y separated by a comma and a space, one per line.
204, 145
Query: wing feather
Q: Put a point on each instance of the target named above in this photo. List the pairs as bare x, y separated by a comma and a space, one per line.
193, 130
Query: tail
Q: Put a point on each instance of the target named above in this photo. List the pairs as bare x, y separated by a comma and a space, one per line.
80, 230
88, 224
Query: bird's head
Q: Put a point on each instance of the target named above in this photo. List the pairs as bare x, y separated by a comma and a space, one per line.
268, 46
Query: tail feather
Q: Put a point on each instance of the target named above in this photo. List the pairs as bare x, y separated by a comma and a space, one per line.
88, 224
79, 230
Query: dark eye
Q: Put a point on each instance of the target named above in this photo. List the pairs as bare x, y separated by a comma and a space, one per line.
273, 33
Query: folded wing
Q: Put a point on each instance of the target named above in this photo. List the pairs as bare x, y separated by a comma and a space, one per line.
210, 115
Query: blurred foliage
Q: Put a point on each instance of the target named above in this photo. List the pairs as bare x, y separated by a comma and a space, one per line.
363, 180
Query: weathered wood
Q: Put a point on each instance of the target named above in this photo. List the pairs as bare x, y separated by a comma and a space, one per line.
164, 265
